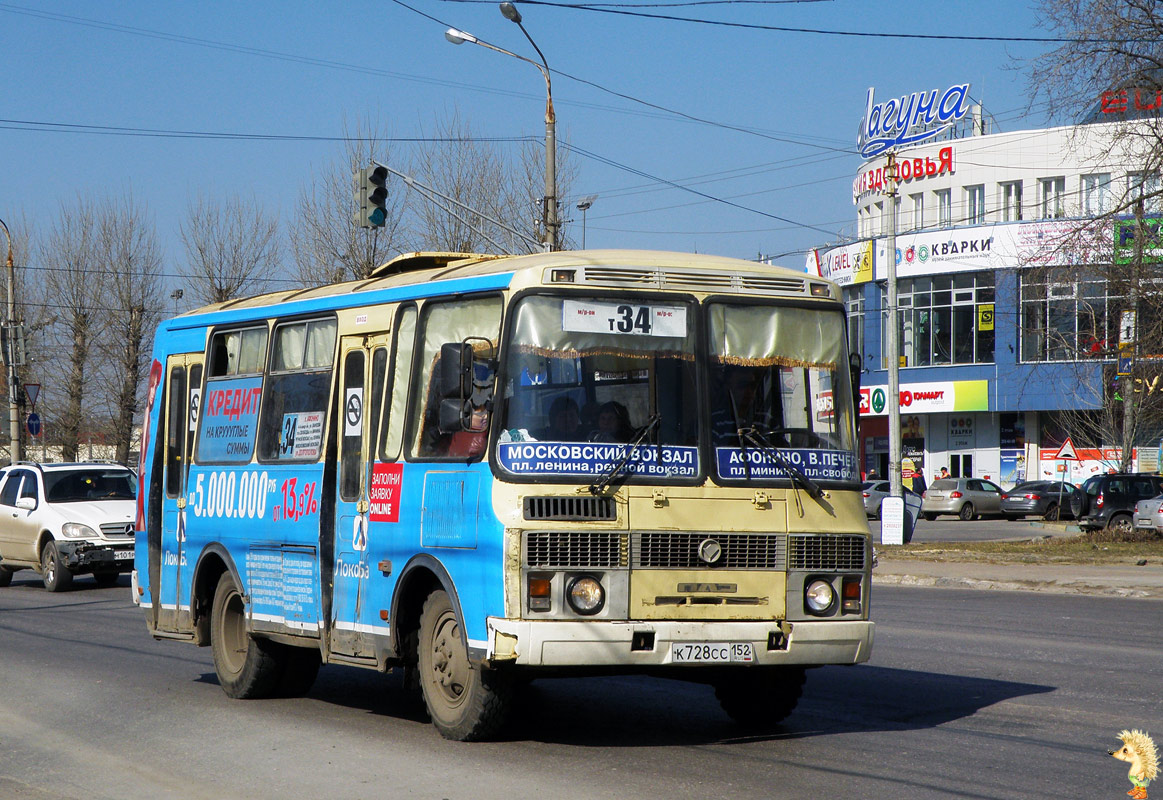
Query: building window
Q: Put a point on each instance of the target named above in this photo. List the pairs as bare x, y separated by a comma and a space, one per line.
1011, 201
918, 210
1145, 186
1053, 197
944, 208
975, 204
945, 319
854, 302
878, 218
1067, 318
1096, 194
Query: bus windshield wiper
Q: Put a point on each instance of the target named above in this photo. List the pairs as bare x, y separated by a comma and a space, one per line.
757, 437
615, 470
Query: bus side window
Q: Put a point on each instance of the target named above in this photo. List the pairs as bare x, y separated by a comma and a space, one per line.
294, 401
403, 346
472, 319
176, 432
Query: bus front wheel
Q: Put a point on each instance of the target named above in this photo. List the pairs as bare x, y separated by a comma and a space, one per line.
247, 668
760, 697
466, 703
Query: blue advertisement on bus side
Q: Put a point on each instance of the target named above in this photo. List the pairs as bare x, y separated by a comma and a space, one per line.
229, 420
594, 458
739, 463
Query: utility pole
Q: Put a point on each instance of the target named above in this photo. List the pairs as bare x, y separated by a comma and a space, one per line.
893, 335
10, 357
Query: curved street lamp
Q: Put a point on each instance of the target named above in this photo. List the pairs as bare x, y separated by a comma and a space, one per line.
511, 13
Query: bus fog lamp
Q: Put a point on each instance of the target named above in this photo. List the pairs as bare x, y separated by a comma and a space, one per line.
586, 595
819, 596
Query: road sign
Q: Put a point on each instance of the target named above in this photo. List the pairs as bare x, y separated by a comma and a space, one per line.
1066, 452
33, 392
34, 424
1126, 366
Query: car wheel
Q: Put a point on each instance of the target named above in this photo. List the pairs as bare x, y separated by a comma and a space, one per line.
759, 698
106, 578
967, 512
1120, 525
465, 702
876, 511
1051, 514
247, 667
6, 576
53, 572
929, 515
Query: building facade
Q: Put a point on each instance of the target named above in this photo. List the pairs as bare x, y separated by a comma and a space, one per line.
1007, 315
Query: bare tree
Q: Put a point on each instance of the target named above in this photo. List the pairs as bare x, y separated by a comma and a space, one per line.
129, 253
476, 185
327, 243
231, 249
73, 286
1112, 61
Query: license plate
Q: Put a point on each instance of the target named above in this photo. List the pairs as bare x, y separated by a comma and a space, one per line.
1145, 523
711, 652
122, 555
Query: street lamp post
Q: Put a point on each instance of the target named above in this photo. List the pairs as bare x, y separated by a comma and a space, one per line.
550, 236
584, 206
10, 357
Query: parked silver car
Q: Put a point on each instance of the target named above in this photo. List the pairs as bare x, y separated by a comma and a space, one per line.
1148, 514
876, 491
968, 498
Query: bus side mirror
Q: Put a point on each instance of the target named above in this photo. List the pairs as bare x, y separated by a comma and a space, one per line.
452, 415
455, 370
855, 368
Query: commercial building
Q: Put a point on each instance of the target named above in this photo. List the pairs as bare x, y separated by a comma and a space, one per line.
1006, 313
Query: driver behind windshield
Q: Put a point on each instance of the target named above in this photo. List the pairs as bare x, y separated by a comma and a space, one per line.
739, 403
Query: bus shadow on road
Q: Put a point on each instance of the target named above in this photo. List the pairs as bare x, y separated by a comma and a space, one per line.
637, 711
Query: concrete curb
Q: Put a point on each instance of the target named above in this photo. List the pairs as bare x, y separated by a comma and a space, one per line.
1056, 587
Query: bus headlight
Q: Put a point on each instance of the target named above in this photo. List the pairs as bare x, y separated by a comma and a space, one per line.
819, 596
585, 595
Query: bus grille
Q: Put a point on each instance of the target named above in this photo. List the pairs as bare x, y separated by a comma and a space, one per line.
545, 549
666, 550
570, 509
695, 280
827, 552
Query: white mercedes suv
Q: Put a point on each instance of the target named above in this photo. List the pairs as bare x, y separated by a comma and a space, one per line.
66, 519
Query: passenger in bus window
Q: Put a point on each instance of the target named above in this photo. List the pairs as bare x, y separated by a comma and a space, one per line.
470, 444
564, 421
613, 424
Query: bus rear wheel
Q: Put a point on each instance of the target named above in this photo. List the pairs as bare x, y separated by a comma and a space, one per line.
758, 698
466, 703
247, 668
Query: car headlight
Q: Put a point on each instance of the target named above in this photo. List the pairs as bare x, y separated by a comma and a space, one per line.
75, 530
585, 595
819, 596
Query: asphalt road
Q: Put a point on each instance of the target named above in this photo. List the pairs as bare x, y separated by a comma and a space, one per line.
951, 529
969, 693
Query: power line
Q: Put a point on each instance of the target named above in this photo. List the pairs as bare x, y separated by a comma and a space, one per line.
604, 9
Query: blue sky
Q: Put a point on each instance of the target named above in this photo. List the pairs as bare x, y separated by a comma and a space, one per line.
300, 69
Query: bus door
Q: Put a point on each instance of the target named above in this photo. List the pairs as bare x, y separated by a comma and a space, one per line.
364, 365
183, 397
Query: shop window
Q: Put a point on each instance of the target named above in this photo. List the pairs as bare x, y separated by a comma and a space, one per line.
1067, 318
945, 319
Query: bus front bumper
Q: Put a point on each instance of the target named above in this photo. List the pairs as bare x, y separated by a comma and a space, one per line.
593, 643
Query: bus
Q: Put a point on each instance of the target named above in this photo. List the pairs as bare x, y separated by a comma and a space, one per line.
482, 469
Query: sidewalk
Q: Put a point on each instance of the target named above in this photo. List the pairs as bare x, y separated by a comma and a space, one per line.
1114, 580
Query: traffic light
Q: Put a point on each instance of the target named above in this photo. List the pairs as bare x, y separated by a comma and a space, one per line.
371, 196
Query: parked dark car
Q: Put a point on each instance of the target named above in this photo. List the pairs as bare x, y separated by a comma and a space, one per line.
1108, 501
1046, 499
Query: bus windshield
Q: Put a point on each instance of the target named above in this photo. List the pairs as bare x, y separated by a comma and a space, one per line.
589, 375
779, 382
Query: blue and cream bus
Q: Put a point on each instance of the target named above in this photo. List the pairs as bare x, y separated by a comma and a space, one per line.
477, 469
